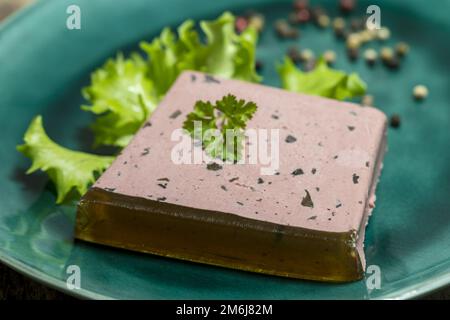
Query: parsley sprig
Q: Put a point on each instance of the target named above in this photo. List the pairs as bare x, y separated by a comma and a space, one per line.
220, 126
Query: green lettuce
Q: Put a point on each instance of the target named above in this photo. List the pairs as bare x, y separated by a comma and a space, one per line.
122, 97
321, 81
69, 170
224, 53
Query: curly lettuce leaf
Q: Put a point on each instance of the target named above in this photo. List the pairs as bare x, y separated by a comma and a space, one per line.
321, 81
226, 53
245, 59
122, 97
69, 170
166, 58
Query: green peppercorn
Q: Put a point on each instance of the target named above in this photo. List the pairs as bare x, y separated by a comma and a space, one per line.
386, 53
329, 56
338, 23
307, 55
383, 34
353, 41
323, 21
402, 49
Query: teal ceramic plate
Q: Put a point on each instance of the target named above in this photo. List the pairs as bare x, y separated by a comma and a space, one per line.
43, 66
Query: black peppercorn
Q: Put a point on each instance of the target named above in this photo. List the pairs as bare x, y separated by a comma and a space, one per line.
395, 121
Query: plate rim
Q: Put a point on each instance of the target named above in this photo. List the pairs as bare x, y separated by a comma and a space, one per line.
408, 292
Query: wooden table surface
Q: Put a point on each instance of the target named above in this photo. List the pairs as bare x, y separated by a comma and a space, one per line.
18, 287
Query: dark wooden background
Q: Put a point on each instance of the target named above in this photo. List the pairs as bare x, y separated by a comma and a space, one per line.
18, 287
